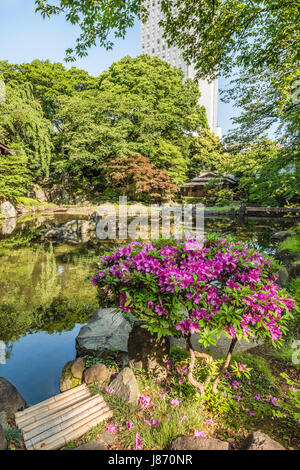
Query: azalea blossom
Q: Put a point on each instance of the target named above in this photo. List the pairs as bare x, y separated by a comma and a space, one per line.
235, 383
129, 424
138, 442
111, 427
145, 401
175, 402
199, 434
209, 421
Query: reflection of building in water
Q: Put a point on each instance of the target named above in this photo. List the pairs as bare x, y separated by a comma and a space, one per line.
153, 44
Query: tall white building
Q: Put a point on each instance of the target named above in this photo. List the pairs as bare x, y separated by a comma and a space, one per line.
153, 44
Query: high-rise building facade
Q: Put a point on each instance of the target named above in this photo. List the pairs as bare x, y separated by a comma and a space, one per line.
153, 44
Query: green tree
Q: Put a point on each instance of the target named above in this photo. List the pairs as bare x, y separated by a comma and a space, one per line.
207, 154
98, 20
141, 104
24, 128
14, 176
170, 158
256, 39
268, 173
48, 81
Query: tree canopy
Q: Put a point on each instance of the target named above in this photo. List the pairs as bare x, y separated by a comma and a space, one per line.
142, 107
256, 41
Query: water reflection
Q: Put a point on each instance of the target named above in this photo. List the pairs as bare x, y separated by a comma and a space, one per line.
45, 294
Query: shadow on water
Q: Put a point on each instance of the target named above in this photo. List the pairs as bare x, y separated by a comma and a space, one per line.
45, 294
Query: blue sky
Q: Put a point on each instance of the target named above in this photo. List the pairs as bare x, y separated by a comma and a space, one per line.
25, 36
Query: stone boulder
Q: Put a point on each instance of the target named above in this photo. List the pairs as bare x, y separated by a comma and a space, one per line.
198, 443
67, 381
259, 441
295, 271
126, 386
3, 442
9, 226
147, 351
11, 400
8, 210
281, 236
283, 277
107, 330
97, 372
77, 368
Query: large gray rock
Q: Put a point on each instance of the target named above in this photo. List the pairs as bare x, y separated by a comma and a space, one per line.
107, 330
198, 443
283, 277
259, 441
11, 401
221, 348
97, 372
8, 210
3, 442
126, 387
147, 351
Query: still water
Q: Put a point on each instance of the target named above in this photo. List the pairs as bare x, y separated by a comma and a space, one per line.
45, 295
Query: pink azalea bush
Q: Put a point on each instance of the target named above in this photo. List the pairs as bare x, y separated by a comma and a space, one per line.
183, 286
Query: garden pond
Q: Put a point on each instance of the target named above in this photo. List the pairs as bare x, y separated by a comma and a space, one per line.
45, 294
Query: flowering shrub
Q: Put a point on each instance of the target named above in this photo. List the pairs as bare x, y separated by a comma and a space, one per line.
185, 286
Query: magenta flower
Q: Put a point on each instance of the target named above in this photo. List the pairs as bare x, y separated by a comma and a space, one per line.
257, 396
227, 375
109, 390
274, 401
175, 402
129, 424
169, 363
251, 413
138, 442
181, 379
153, 424
238, 398
111, 427
199, 434
235, 383
210, 422
145, 401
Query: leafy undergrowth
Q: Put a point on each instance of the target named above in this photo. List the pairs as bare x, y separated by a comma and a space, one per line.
264, 401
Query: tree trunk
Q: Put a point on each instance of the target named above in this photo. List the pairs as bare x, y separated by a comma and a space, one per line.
193, 354
225, 365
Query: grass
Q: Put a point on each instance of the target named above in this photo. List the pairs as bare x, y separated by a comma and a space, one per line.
231, 418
